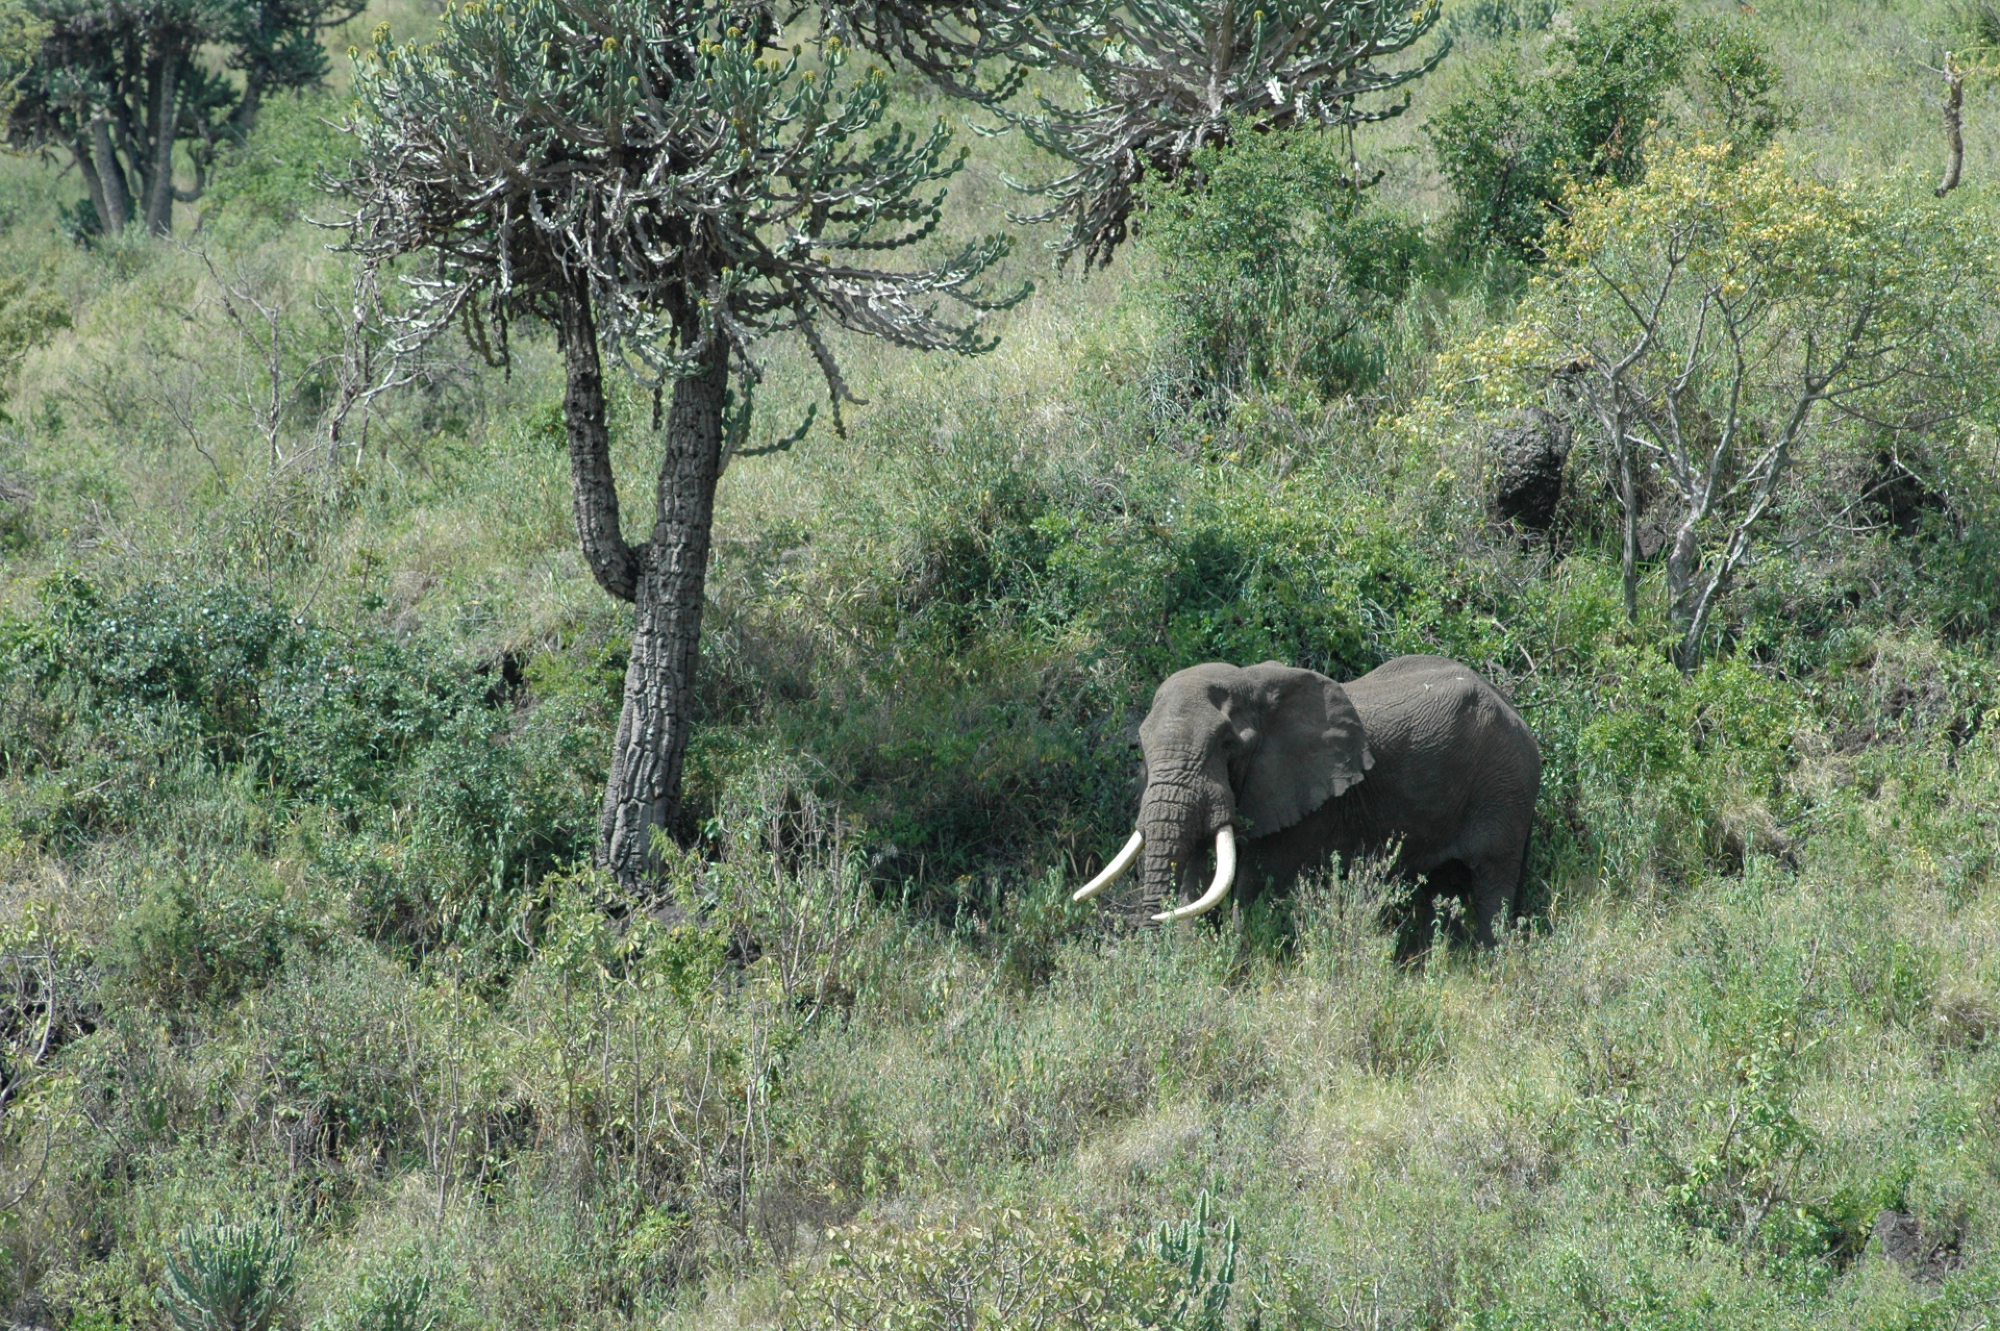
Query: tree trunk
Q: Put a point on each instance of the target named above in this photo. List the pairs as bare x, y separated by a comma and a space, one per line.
117, 214
644, 787
79, 148
1684, 596
1954, 126
1628, 503
593, 488
165, 120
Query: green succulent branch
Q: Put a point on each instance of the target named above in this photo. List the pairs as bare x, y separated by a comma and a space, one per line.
701, 183
227, 1277
1162, 78
1167, 77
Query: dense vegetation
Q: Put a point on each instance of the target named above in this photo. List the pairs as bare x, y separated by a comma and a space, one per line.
313, 1010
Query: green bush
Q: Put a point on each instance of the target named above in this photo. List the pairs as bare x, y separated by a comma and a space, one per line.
273, 177
1280, 268
1493, 20
441, 823
1512, 144
205, 932
389, 1292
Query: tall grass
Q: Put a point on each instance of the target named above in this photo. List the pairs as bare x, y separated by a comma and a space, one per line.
300, 753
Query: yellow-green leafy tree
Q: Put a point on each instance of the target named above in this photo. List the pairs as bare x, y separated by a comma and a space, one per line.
1719, 321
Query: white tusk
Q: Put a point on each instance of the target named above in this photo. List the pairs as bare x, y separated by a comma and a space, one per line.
1112, 871
1225, 873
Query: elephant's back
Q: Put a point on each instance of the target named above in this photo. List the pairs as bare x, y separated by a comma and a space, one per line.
1419, 703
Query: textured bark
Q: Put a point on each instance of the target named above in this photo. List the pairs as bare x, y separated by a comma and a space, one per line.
644, 787
594, 489
79, 149
116, 213
166, 113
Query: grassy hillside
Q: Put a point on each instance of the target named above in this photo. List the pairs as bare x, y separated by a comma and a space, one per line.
300, 756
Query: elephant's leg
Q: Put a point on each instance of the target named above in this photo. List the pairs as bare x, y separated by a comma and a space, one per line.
1496, 884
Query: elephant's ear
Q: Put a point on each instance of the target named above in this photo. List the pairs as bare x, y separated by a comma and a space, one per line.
1309, 747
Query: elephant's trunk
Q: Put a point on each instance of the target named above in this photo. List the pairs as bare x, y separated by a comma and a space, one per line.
1218, 888
1176, 820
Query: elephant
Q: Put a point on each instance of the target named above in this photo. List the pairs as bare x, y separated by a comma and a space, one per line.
1288, 768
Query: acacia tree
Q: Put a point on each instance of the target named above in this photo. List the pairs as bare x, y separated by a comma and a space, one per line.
120, 84
1725, 320
660, 178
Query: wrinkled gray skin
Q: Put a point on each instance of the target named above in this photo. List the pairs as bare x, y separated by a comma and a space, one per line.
1304, 768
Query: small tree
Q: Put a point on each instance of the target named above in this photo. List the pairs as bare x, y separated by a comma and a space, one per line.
1279, 271
119, 86
660, 177
1726, 318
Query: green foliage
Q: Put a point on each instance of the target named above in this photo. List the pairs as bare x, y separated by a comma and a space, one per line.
230, 1277
445, 829
1206, 1263
1511, 146
273, 178
29, 314
1280, 270
1514, 143
1492, 20
389, 1293
793, 179
1737, 87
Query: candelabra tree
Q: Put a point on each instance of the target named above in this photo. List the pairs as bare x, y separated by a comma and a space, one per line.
663, 180
1162, 79
1167, 77
118, 85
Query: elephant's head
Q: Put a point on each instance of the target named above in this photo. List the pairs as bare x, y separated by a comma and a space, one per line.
1233, 753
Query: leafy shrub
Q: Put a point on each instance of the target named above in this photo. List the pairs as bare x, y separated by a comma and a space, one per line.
448, 805
230, 1277
1510, 145
273, 176
1670, 775
29, 314
390, 1292
1280, 268
207, 932
1492, 20
1518, 139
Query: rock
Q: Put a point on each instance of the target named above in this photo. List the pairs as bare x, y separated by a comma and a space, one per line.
1531, 451
1920, 1256
1898, 1238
